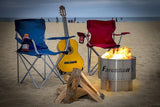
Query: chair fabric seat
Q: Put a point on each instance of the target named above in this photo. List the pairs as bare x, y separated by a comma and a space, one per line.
101, 33
41, 52
105, 46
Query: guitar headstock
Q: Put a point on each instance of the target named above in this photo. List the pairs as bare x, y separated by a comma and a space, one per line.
62, 11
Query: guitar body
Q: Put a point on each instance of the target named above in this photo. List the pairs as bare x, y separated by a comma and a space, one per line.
72, 59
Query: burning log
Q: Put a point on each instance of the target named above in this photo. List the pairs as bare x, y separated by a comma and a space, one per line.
71, 92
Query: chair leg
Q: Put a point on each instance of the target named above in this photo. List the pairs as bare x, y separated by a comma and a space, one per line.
44, 67
28, 72
34, 67
17, 67
45, 78
89, 59
119, 40
57, 72
27, 68
94, 69
54, 70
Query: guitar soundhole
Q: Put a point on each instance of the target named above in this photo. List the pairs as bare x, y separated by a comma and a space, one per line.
70, 50
70, 62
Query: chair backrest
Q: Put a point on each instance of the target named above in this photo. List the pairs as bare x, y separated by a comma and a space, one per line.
35, 28
101, 33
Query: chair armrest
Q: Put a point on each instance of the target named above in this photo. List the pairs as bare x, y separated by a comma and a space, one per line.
123, 33
60, 38
19, 40
82, 34
35, 48
31, 40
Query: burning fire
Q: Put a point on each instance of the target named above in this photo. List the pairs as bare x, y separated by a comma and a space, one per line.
118, 53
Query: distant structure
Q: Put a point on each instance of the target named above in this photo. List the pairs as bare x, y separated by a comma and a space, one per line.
112, 18
121, 18
49, 20
74, 19
57, 20
116, 19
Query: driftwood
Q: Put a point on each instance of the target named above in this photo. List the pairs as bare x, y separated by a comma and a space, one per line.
71, 92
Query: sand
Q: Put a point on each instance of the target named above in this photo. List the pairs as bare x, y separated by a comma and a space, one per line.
144, 41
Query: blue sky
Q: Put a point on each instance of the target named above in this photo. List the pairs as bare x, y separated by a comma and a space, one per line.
80, 8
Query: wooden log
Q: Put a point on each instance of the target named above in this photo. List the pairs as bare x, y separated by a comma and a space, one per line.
72, 85
80, 92
61, 96
71, 92
90, 91
60, 89
67, 76
89, 84
62, 93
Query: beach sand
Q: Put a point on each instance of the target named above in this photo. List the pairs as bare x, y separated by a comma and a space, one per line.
144, 41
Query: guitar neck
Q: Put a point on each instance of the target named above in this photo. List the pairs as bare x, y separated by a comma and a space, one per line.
65, 27
66, 30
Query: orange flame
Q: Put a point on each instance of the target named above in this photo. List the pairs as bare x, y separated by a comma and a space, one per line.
118, 53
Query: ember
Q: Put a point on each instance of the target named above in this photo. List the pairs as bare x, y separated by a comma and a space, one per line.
118, 53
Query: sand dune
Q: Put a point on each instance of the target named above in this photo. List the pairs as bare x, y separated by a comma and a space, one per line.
144, 41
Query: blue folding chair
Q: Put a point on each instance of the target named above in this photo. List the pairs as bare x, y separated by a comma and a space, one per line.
35, 28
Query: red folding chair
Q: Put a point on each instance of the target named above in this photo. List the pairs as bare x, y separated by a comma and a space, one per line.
100, 34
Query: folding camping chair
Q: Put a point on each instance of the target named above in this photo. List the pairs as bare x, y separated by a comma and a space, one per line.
35, 28
101, 36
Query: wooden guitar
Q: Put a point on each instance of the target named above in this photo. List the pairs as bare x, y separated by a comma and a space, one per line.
72, 59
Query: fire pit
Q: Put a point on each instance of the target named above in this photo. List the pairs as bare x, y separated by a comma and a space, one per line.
117, 69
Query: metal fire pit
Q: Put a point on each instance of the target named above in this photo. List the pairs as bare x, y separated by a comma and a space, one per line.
117, 74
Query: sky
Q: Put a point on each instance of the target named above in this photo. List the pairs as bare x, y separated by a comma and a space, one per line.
80, 8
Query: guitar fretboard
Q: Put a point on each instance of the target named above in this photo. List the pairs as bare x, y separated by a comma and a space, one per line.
65, 27
66, 30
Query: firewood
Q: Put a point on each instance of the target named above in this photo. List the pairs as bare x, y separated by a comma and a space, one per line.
60, 89
61, 96
72, 85
71, 92
90, 91
62, 93
67, 76
80, 93
89, 83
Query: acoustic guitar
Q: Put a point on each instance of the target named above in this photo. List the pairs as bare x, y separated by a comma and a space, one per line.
72, 59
